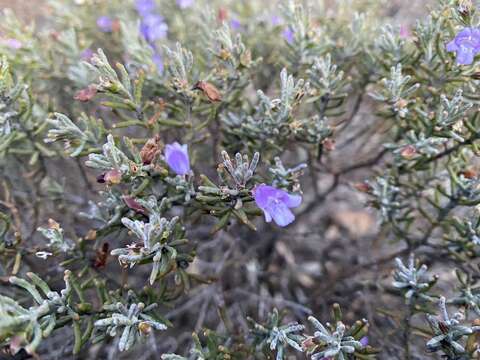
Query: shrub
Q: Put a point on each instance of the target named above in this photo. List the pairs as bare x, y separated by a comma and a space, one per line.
179, 167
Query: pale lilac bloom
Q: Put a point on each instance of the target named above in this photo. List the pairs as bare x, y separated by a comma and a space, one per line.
364, 341
235, 24
404, 32
153, 27
288, 35
86, 54
158, 61
466, 45
105, 23
276, 20
176, 156
12, 43
183, 4
144, 7
276, 203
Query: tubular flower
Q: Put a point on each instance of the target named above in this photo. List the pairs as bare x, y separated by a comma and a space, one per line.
153, 27
276, 203
105, 23
466, 45
176, 156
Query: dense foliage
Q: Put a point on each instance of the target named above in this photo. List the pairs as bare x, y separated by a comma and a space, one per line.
171, 167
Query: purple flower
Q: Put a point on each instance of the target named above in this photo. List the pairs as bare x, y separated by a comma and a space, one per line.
12, 43
404, 32
364, 341
145, 7
86, 54
153, 27
276, 20
288, 35
276, 204
466, 45
176, 156
183, 4
105, 23
235, 24
158, 61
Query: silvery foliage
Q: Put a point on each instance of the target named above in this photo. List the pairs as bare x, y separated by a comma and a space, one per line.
387, 198
113, 158
157, 244
396, 91
39, 320
449, 332
54, 233
179, 65
132, 322
277, 337
422, 144
412, 280
285, 177
75, 139
240, 171
469, 293
8, 96
272, 118
336, 344
326, 79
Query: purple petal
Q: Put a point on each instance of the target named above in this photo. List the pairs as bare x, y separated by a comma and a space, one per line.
105, 23
281, 213
176, 156
158, 61
276, 20
183, 4
288, 35
235, 24
12, 43
465, 56
153, 27
364, 341
275, 204
292, 200
144, 7
86, 54
451, 46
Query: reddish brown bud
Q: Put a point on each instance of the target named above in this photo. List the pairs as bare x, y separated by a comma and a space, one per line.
101, 256
363, 187
52, 224
86, 94
133, 204
408, 152
222, 14
328, 144
469, 174
209, 90
113, 177
151, 149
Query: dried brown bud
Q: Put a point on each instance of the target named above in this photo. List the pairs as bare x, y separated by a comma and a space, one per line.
308, 343
408, 152
363, 187
328, 144
246, 58
144, 328
101, 256
52, 224
469, 174
91, 235
86, 94
133, 204
151, 149
222, 14
113, 177
209, 90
